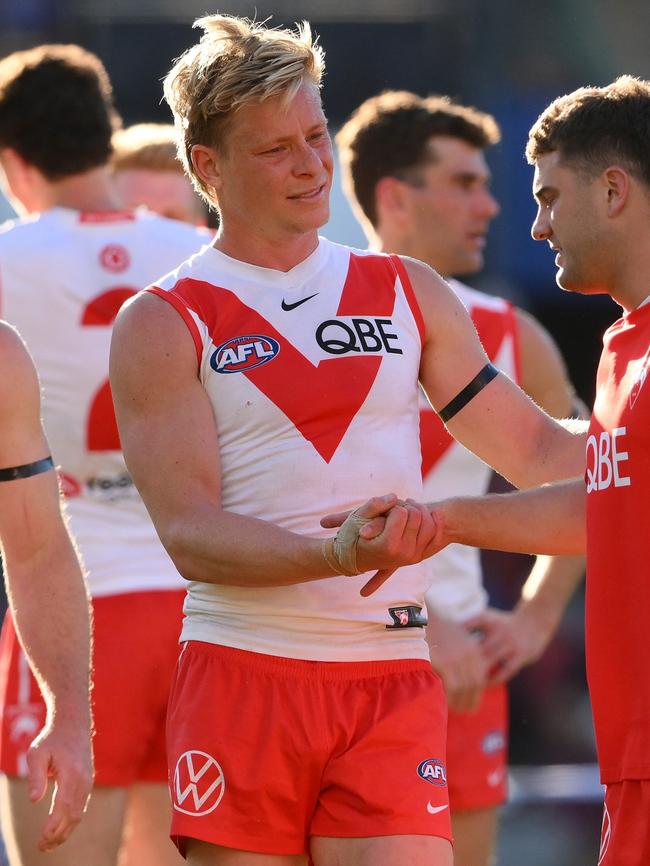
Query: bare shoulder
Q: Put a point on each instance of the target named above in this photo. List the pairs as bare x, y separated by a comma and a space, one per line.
21, 434
441, 307
19, 379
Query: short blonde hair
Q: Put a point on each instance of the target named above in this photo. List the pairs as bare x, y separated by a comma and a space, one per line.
237, 61
147, 146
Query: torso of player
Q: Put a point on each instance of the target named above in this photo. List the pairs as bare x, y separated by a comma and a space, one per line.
618, 529
449, 469
63, 277
313, 378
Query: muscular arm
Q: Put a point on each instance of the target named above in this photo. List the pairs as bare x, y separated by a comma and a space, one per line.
518, 637
501, 425
170, 443
47, 596
548, 519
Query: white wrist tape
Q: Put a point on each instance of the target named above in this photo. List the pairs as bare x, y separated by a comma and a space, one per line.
340, 552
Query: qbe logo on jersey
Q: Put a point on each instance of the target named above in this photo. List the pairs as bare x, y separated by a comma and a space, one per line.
198, 784
244, 353
433, 771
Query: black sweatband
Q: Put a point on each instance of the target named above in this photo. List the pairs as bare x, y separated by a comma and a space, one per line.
27, 469
469, 392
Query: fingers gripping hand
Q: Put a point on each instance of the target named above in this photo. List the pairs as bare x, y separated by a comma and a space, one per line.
340, 552
404, 539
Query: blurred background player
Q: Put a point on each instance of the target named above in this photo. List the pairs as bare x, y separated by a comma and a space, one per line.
148, 172
67, 265
416, 174
49, 604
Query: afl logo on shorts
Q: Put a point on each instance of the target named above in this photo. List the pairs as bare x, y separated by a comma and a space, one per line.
244, 353
198, 784
433, 771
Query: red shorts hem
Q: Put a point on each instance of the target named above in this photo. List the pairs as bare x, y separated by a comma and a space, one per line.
261, 845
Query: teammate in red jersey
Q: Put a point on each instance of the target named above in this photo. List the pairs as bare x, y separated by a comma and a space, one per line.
416, 174
274, 376
47, 597
67, 265
591, 152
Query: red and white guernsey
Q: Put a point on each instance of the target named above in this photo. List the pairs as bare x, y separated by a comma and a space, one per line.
63, 277
618, 548
449, 469
313, 376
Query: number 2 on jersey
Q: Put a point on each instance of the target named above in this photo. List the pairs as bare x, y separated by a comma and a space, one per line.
101, 426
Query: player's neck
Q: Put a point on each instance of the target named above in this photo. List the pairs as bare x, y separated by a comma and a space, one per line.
91, 191
272, 253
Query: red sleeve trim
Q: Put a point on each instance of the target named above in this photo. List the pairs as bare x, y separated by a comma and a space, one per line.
410, 296
184, 313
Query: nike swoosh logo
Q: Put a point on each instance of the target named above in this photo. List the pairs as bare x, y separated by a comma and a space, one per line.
293, 306
433, 810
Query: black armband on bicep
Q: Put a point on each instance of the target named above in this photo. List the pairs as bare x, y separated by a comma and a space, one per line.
27, 469
482, 378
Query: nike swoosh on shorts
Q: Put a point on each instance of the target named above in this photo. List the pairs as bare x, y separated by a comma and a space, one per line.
433, 810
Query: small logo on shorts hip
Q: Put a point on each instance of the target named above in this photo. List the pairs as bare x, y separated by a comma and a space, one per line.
433, 771
198, 784
433, 810
408, 616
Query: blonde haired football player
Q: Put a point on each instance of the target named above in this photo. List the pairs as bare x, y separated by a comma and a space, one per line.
272, 378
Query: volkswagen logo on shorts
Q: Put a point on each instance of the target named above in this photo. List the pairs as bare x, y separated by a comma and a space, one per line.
244, 353
198, 784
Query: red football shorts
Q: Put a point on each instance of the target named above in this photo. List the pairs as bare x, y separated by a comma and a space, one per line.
265, 752
625, 835
477, 753
135, 652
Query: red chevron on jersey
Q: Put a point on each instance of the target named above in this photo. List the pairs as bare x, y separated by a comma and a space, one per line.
493, 327
342, 384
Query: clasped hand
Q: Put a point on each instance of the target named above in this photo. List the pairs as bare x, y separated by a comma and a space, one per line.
400, 532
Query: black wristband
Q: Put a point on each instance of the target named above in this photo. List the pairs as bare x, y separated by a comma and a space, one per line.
27, 469
482, 378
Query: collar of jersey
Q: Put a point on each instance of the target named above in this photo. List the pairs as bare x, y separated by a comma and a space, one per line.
297, 276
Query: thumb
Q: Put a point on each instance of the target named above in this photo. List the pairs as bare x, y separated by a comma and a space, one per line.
38, 764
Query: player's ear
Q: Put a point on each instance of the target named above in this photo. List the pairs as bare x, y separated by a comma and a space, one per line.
207, 165
616, 181
392, 197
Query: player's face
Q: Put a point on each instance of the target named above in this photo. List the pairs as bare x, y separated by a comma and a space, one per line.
449, 214
569, 218
275, 170
169, 193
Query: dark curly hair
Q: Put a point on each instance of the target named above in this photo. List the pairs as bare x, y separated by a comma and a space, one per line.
594, 127
56, 109
387, 136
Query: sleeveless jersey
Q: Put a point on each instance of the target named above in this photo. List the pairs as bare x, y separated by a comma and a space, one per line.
313, 377
449, 469
618, 534
63, 278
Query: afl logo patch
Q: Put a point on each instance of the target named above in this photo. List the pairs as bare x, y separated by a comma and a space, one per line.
433, 771
244, 353
198, 784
